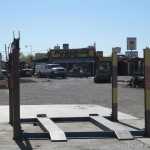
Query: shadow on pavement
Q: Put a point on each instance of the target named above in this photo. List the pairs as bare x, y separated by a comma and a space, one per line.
24, 144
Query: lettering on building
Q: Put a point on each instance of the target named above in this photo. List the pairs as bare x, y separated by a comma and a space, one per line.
78, 53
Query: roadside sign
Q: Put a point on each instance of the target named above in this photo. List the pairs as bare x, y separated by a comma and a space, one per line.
131, 43
131, 54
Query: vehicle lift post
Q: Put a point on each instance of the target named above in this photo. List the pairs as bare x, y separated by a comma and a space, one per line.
10, 89
147, 90
14, 89
114, 87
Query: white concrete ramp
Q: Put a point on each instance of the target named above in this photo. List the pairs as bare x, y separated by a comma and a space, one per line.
105, 124
56, 134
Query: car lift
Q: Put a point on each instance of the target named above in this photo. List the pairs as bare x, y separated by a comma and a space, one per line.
51, 130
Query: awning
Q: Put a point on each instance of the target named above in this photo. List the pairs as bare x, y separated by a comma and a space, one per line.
72, 60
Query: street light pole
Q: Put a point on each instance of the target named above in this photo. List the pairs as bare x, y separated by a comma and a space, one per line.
30, 47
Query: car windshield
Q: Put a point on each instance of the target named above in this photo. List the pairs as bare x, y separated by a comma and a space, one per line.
102, 73
53, 66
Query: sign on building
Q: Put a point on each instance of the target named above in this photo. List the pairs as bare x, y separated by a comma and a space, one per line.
131, 43
74, 53
105, 59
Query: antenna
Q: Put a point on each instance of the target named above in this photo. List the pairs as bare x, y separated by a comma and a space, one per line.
19, 34
13, 35
6, 53
8, 49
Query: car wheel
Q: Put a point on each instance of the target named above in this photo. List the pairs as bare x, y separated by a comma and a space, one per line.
132, 82
109, 81
64, 76
39, 75
95, 81
53, 75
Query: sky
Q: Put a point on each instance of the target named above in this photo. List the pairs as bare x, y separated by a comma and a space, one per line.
45, 23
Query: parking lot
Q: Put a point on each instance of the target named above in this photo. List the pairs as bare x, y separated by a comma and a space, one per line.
41, 91
46, 92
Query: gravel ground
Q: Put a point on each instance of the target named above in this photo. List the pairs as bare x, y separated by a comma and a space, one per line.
77, 91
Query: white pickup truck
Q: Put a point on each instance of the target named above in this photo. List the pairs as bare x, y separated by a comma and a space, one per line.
51, 70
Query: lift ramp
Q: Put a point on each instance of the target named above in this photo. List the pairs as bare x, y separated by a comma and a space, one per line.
52, 131
47, 125
106, 125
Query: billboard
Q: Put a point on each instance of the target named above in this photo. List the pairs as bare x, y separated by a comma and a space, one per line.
132, 54
73, 53
116, 49
131, 43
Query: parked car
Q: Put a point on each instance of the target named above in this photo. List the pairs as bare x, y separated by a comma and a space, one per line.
78, 72
26, 72
102, 76
4, 73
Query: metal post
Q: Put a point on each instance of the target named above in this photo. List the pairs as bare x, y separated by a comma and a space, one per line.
93, 69
114, 87
0, 66
16, 90
10, 90
67, 68
147, 90
131, 54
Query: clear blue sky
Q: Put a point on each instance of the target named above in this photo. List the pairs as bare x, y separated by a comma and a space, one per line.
46, 23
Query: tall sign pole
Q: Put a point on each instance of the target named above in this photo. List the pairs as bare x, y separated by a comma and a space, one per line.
147, 90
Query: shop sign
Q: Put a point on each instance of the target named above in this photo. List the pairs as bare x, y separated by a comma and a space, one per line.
78, 53
106, 59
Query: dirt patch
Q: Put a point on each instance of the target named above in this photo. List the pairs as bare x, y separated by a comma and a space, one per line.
26, 81
4, 83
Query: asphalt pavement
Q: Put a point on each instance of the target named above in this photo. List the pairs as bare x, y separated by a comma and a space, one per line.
74, 96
